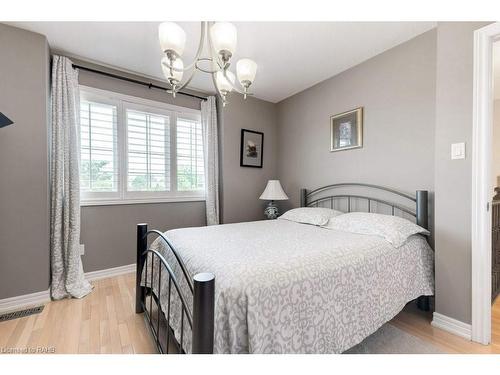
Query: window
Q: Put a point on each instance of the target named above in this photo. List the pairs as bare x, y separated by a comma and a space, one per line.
148, 151
190, 167
135, 150
98, 152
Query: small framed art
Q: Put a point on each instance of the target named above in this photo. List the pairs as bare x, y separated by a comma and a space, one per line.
346, 130
251, 149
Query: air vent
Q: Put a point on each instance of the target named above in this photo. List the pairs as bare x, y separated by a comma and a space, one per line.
21, 313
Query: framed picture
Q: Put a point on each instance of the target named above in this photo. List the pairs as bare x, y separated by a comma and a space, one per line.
251, 149
346, 130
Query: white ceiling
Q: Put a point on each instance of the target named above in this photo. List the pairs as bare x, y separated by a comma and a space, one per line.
291, 56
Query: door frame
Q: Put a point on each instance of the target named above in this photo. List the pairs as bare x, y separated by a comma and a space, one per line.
482, 189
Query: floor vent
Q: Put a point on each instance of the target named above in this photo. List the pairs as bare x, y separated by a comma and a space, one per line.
21, 313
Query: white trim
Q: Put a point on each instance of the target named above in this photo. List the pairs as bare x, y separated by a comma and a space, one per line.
451, 325
122, 196
110, 272
110, 202
39, 298
26, 300
482, 189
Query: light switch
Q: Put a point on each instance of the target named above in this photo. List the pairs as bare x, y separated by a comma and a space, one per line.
458, 151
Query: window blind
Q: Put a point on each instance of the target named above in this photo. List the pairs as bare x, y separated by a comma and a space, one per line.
148, 151
190, 163
98, 143
139, 151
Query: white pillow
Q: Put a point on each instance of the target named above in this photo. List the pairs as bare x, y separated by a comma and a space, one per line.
393, 229
310, 215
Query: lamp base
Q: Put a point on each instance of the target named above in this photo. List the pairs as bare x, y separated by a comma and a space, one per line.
271, 211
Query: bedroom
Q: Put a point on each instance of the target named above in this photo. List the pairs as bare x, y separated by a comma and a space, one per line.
260, 151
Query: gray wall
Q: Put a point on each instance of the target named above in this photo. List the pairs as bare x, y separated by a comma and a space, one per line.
418, 101
24, 199
133, 89
108, 232
453, 182
242, 186
397, 91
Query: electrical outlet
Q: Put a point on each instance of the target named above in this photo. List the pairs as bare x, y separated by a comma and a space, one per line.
82, 249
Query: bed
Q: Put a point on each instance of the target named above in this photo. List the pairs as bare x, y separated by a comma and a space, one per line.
279, 286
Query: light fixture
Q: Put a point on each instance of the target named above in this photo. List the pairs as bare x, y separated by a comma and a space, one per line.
174, 74
273, 192
222, 38
246, 70
172, 38
225, 83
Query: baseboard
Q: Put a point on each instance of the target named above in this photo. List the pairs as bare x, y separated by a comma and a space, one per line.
26, 300
39, 298
110, 272
451, 325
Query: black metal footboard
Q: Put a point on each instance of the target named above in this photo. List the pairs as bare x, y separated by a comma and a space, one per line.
202, 292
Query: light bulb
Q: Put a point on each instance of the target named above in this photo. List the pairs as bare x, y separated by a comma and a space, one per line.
172, 38
224, 37
246, 70
172, 74
223, 84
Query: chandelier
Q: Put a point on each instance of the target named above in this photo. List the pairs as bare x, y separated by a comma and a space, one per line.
222, 37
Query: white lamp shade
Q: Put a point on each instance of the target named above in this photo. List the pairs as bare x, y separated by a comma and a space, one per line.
172, 37
246, 70
177, 64
222, 83
224, 37
273, 192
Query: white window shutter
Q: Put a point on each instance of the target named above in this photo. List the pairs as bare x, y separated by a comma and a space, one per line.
190, 165
98, 144
148, 151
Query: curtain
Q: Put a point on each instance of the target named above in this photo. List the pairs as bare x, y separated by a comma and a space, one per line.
211, 158
66, 266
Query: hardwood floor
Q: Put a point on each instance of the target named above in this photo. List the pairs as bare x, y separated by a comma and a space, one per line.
105, 322
102, 322
418, 323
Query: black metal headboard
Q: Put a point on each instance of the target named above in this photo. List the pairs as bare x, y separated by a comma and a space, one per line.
312, 198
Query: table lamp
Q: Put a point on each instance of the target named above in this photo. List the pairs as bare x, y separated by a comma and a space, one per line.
273, 192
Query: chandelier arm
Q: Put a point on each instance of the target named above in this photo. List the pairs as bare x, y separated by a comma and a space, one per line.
223, 69
215, 61
205, 70
198, 53
187, 81
235, 88
222, 96
193, 65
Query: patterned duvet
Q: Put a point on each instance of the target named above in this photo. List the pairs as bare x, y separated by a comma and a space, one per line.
284, 287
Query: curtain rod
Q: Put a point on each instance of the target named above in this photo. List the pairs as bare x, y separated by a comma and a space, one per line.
148, 84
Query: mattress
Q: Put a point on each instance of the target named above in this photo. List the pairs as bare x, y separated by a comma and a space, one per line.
285, 287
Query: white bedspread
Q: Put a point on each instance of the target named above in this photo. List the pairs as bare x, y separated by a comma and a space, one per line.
284, 287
